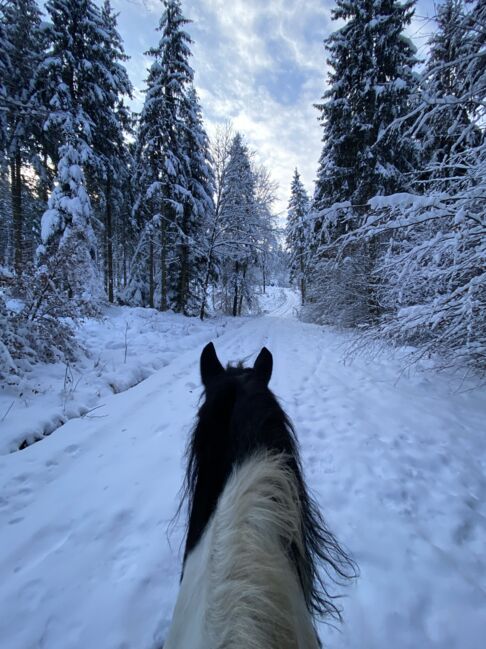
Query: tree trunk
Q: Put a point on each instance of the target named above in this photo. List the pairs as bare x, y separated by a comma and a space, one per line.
45, 185
209, 264
183, 280
16, 189
163, 267
240, 301
109, 241
235, 296
202, 311
151, 273
183, 288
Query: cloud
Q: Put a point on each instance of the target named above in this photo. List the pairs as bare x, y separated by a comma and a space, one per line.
260, 65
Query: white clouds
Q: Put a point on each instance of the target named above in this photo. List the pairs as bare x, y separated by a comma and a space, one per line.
259, 63
245, 53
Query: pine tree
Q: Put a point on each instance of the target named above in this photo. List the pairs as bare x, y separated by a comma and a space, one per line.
161, 171
297, 234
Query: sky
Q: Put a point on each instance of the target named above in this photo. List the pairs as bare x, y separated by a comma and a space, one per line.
260, 64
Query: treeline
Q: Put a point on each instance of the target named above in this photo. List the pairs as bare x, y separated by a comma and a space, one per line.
394, 238
98, 203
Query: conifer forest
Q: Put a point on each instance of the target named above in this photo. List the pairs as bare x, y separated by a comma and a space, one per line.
100, 204
242, 324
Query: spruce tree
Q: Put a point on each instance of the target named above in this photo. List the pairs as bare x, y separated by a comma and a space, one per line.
371, 84
198, 207
395, 155
23, 43
447, 126
68, 249
241, 223
4, 190
297, 234
344, 113
434, 296
161, 170
5, 72
475, 68
68, 79
113, 121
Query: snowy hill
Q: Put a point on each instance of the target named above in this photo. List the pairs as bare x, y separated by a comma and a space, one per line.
399, 468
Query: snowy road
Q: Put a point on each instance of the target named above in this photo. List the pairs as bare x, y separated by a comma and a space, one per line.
399, 469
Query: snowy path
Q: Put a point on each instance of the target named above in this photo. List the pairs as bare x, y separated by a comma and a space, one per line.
400, 471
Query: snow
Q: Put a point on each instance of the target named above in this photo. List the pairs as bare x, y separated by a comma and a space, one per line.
405, 199
124, 348
15, 305
398, 467
49, 225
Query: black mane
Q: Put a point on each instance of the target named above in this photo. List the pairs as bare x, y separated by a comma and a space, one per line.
240, 416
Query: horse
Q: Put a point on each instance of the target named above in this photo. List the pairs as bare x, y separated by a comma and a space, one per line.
255, 538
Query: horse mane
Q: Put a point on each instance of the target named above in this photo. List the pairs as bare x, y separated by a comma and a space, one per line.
254, 597
241, 418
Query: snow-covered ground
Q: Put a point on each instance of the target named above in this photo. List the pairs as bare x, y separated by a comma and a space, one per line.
399, 469
123, 348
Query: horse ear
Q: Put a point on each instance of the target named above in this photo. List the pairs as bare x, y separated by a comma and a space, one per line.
210, 365
263, 365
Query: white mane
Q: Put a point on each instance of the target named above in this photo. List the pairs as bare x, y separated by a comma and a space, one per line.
240, 590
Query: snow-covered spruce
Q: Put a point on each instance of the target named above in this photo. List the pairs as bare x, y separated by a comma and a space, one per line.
173, 178
241, 222
430, 279
110, 165
298, 234
371, 83
21, 115
69, 246
242, 252
446, 126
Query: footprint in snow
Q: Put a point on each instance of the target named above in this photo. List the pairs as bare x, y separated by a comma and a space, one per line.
72, 449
